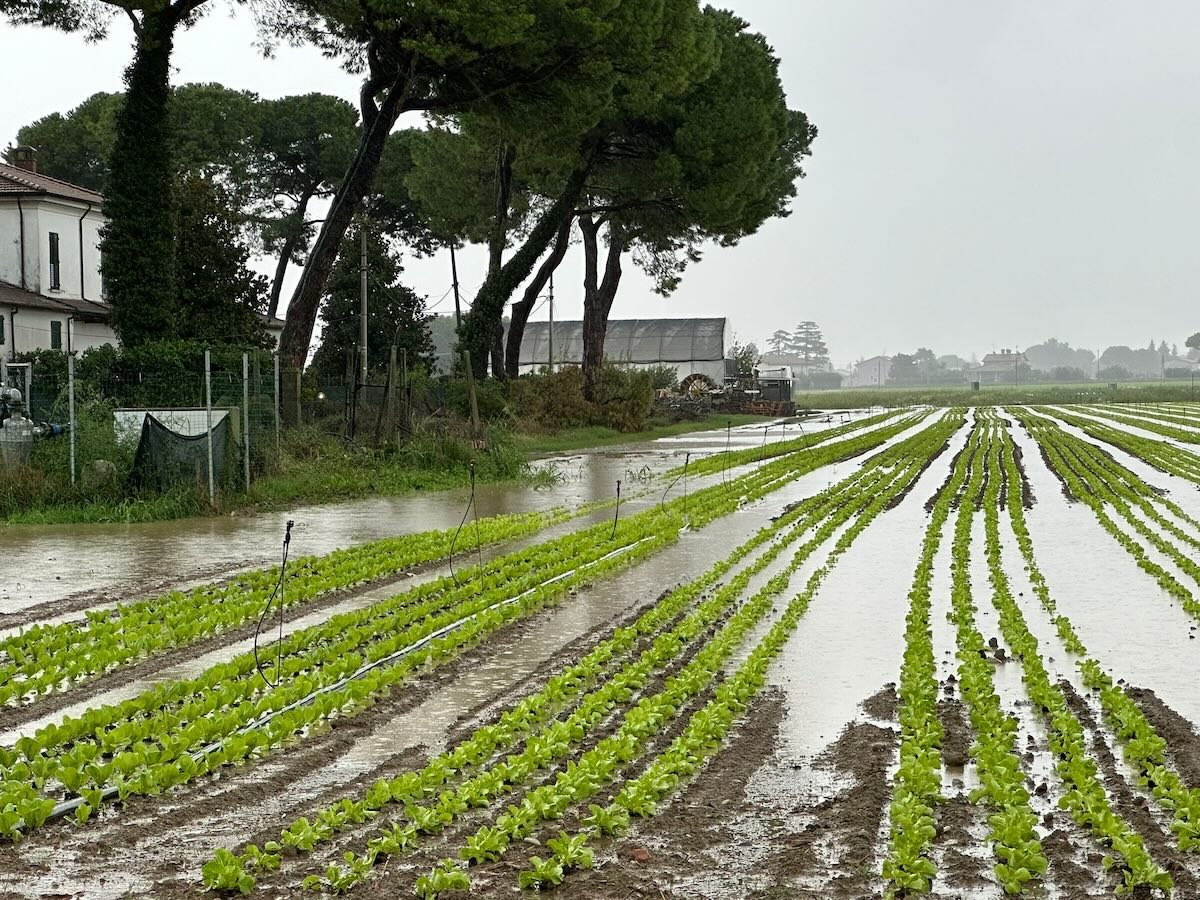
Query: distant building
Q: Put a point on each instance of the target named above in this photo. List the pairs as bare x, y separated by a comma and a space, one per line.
51, 292
999, 368
692, 346
871, 372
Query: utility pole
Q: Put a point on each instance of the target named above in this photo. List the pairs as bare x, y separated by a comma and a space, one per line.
551, 354
362, 315
454, 277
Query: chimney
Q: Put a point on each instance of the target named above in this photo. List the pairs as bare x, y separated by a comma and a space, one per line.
25, 158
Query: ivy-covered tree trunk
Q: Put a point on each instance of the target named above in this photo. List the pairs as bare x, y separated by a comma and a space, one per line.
598, 296
138, 246
497, 241
522, 308
478, 328
377, 121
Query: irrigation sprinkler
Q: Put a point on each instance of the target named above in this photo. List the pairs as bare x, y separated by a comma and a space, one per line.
617, 511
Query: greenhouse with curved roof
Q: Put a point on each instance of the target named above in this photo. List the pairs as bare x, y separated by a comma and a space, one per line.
693, 346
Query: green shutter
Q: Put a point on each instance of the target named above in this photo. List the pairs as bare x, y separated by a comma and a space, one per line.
56, 335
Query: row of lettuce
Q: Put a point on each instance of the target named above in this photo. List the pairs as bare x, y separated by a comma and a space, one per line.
591, 748
180, 729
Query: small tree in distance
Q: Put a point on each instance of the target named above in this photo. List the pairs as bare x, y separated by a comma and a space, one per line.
780, 342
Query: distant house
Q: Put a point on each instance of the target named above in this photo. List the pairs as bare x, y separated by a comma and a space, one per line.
51, 296
871, 372
692, 346
51, 291
999, 368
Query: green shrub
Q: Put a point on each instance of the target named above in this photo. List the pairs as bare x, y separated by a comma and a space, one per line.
624, 397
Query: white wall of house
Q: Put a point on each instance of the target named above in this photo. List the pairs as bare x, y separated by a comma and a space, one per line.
34, 329
11, 216
63, 218
41, 217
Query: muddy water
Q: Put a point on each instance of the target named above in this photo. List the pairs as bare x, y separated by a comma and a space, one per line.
1123, 617
45, 563
499, 675
851, 640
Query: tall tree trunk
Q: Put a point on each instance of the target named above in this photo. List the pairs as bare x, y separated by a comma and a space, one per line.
377, 122
478, 328
522, 308
285, 254
497, 240
598, 296
138, 246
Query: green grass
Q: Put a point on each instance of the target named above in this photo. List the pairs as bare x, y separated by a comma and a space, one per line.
586, 437
996, 395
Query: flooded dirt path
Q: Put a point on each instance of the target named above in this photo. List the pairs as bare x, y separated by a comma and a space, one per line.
119, 562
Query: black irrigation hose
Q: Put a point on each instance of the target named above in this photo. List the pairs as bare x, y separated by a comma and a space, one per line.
454, 541
287, 540
663, 502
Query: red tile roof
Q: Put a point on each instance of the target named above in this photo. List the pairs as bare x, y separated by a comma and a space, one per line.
15, 180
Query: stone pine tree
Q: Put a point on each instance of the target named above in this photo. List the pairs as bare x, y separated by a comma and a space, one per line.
710, 165
808, 345
650, 51
443, 57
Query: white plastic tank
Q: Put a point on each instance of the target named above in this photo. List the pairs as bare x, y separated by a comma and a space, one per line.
16, 441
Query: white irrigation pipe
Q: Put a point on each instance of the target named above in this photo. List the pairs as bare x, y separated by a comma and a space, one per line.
68, 806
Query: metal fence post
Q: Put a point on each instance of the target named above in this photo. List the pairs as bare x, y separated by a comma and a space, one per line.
212, 488
275, 355
71, 409
246, 418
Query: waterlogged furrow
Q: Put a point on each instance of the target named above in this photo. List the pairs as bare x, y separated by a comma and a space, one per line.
1141, 744
1084, 797
43, 659
1164, 456
1160, 428
562, 740
1089, 487
730, 459
534, 719
908, 866
701, 737
179, 730
1012, 822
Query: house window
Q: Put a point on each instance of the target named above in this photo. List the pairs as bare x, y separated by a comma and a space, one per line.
56, 335
1, 331
55, 264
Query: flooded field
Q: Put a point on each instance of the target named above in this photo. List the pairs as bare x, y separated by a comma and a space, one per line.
922, 652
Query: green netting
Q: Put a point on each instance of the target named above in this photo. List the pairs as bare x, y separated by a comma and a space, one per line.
166, 458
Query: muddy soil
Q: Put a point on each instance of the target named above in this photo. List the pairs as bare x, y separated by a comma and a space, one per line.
1130, 804
1183, 741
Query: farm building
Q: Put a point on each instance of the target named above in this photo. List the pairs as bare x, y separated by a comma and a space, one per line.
999, 368
693, 346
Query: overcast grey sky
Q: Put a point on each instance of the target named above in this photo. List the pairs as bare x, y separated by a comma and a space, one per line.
986, 175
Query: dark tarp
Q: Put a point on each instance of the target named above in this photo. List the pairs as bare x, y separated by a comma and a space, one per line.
166, 458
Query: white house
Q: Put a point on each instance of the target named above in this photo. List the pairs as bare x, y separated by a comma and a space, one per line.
871, 372
50, 288
51, 292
